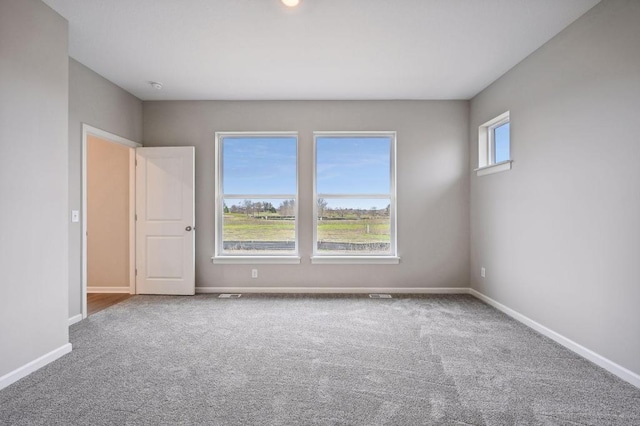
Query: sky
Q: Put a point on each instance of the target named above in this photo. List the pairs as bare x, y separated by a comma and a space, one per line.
501, 135
264, 166
259, 165
353, 165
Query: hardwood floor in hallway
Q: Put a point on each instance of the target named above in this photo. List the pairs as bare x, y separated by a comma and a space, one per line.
99, 301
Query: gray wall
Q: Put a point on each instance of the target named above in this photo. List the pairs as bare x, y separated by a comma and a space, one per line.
433, 185
33, 182
559, 234
96, 101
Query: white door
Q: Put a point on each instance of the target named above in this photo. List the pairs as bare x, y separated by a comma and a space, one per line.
165, 227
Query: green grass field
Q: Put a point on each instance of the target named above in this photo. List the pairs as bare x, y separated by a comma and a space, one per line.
354, 230
240, 227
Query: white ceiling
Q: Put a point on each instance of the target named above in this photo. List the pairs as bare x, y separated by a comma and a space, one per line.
324, 49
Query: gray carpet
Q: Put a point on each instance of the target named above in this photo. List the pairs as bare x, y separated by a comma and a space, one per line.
315, 360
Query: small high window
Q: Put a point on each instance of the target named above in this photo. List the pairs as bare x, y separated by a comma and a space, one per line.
494, 145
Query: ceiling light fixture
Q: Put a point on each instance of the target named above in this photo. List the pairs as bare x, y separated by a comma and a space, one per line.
290, 3
156, 85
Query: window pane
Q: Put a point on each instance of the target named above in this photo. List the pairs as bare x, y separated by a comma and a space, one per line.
353, 226
259, 165
501, 141
353, 165
259, 226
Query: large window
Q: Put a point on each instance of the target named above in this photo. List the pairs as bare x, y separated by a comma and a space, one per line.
256, 195
354, 195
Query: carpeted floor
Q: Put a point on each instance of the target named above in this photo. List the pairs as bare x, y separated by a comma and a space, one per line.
315, 360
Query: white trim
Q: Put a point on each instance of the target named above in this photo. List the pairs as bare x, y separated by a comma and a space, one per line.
356, 196
256, 260
335, 290
74, 319
624, 373
34, 365
494, 168
111, 137
352, 133
102, 134
259, 196
356, 260
108, 290
132, 221
83, 279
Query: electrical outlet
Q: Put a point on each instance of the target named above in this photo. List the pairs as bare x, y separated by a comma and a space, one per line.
254, 273
482, 272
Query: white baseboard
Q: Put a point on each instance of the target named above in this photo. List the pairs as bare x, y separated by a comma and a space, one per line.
335, 290
74, 319
108, 290
34, 365
607, 364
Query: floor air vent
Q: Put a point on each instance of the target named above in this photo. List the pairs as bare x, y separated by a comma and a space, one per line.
229, 296
380, 296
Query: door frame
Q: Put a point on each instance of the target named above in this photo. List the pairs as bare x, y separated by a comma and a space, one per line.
87, 131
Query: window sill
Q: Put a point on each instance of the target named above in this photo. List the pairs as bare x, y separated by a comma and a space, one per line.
255, 260
356, 260
494, 168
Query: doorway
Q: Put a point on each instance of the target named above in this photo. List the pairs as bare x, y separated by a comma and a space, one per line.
97, 302
108, 218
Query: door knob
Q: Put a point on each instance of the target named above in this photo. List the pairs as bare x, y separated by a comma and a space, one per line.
188, 228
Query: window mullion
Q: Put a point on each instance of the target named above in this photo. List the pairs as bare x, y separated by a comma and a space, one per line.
354, 196
258, 196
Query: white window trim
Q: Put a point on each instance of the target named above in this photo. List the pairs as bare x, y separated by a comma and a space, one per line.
355, 260
486, 147
318, 258
494, 168
219, 256
255, 260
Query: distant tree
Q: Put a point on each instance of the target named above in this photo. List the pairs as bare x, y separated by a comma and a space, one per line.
283, 208
248, 207
322, 205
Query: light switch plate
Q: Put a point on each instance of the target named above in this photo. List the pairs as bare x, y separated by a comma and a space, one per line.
75, 216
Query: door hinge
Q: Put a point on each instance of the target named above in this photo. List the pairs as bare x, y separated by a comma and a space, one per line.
136, 161
136, 215
136, 272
